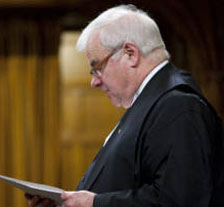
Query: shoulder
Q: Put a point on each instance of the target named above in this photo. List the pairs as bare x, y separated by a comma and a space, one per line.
177, 105
180, 101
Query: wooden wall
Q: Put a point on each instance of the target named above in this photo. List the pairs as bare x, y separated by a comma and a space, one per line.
29, 104
51, 121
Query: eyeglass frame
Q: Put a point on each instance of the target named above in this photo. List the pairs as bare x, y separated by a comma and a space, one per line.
96, 69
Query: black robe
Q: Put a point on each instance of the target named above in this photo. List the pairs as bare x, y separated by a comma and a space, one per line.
167, 150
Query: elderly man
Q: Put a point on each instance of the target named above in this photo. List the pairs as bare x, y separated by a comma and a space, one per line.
167, 150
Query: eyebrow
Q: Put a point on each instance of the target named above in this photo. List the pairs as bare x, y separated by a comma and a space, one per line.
93, 62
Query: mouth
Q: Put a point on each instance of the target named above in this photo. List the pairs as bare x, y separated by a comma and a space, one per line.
104, 89
107, 91
109, 94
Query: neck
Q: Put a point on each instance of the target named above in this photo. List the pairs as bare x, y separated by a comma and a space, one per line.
147, 66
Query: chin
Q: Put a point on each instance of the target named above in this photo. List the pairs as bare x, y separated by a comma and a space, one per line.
119, 104
115, 102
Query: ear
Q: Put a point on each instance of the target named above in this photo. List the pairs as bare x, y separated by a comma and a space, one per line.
133, 53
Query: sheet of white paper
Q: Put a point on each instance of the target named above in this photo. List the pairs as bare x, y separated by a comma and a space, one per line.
44, 191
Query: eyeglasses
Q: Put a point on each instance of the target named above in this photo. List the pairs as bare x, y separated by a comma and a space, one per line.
96, 69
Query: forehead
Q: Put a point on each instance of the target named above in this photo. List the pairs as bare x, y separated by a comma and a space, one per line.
95, 49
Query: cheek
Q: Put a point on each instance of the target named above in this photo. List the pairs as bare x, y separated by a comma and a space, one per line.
115, 77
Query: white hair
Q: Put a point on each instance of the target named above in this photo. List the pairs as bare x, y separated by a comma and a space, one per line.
122, 24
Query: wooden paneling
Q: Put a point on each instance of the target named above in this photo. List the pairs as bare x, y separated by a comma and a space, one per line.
29, 105
51, 130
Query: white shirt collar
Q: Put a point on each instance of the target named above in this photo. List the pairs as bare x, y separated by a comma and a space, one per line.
147, 79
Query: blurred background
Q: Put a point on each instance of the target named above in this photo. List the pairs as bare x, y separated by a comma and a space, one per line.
51, 122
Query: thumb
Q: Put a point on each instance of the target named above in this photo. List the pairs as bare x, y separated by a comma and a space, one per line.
66, 194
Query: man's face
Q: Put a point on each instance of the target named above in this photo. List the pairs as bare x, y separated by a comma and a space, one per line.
113, 75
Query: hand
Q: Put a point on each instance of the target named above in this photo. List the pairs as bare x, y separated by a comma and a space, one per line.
78, 199
36, 201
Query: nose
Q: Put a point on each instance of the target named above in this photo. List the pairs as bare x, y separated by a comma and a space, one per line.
96, 82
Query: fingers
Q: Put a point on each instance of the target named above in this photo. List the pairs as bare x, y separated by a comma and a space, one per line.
36, 201
69, 198
47, 203
33, 202
66, 194
28, 196
78, 199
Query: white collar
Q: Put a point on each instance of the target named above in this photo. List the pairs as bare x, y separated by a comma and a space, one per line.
148, 78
